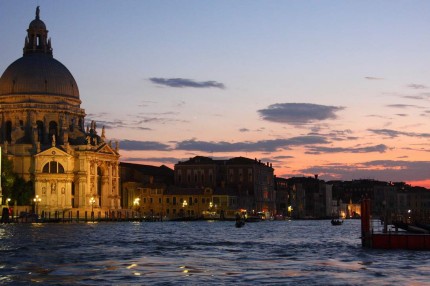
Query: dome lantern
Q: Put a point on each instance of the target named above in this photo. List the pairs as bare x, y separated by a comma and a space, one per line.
37, 40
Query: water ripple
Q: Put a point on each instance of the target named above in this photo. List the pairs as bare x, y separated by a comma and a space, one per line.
196, 253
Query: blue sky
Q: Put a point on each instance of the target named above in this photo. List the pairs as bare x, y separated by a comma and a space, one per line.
339, 88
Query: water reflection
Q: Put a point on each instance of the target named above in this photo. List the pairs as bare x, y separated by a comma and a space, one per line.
279, 252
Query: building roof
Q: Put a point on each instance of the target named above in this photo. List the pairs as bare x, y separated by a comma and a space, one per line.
138, 172
198, 160
201, 160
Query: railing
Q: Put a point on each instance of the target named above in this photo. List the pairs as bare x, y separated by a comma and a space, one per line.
77, 216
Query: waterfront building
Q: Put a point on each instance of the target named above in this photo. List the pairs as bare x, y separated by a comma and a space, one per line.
409, 204
311, 197
187, 203
138, 181
380, 193
282, 201
43, 132
249, 183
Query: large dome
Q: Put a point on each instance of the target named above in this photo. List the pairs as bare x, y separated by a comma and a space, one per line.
38, 74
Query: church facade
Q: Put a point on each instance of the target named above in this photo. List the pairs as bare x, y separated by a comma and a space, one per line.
42, 131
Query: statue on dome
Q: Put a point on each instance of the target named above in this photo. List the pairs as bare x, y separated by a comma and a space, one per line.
103, 134
37, 12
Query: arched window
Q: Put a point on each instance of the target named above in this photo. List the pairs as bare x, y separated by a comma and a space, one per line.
40, 131
8, 131
53, 167
72, 124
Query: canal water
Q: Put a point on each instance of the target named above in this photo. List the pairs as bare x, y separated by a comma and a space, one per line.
201, 253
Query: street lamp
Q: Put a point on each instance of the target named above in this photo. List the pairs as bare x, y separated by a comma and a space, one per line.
37, 200
184, 205
8, 201
290, 209
92, 202
136, 202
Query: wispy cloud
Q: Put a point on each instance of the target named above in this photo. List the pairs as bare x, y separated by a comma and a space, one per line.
417, 149
162, 160
403, 106
146, 103
336, 135
417, 97
283, 157
136, 121
183, 82
263, 146
133, 145
394, 133
373, 78
417, 86
298, 113
316, 150
385, 170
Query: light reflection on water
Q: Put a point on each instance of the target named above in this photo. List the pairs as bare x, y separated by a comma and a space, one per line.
212, 253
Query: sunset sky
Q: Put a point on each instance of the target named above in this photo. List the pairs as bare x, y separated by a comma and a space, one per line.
335, 88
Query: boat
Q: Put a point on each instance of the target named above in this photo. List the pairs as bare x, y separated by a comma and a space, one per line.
240, 220
240, 223
336, 221
418, 228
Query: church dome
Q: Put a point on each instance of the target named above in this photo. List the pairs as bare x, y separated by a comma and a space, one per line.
37, 72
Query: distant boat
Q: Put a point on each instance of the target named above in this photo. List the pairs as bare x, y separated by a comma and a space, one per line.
336, 221
240, 223
240, 220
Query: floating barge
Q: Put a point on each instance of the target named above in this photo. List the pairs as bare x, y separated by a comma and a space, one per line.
389, 239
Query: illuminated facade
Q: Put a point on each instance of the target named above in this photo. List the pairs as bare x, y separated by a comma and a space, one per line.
43, 133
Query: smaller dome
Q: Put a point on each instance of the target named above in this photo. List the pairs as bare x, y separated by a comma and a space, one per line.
37, 24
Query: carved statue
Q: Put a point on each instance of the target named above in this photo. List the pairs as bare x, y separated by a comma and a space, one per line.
53, 188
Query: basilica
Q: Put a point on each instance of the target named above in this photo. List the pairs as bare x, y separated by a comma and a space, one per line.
43, 132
